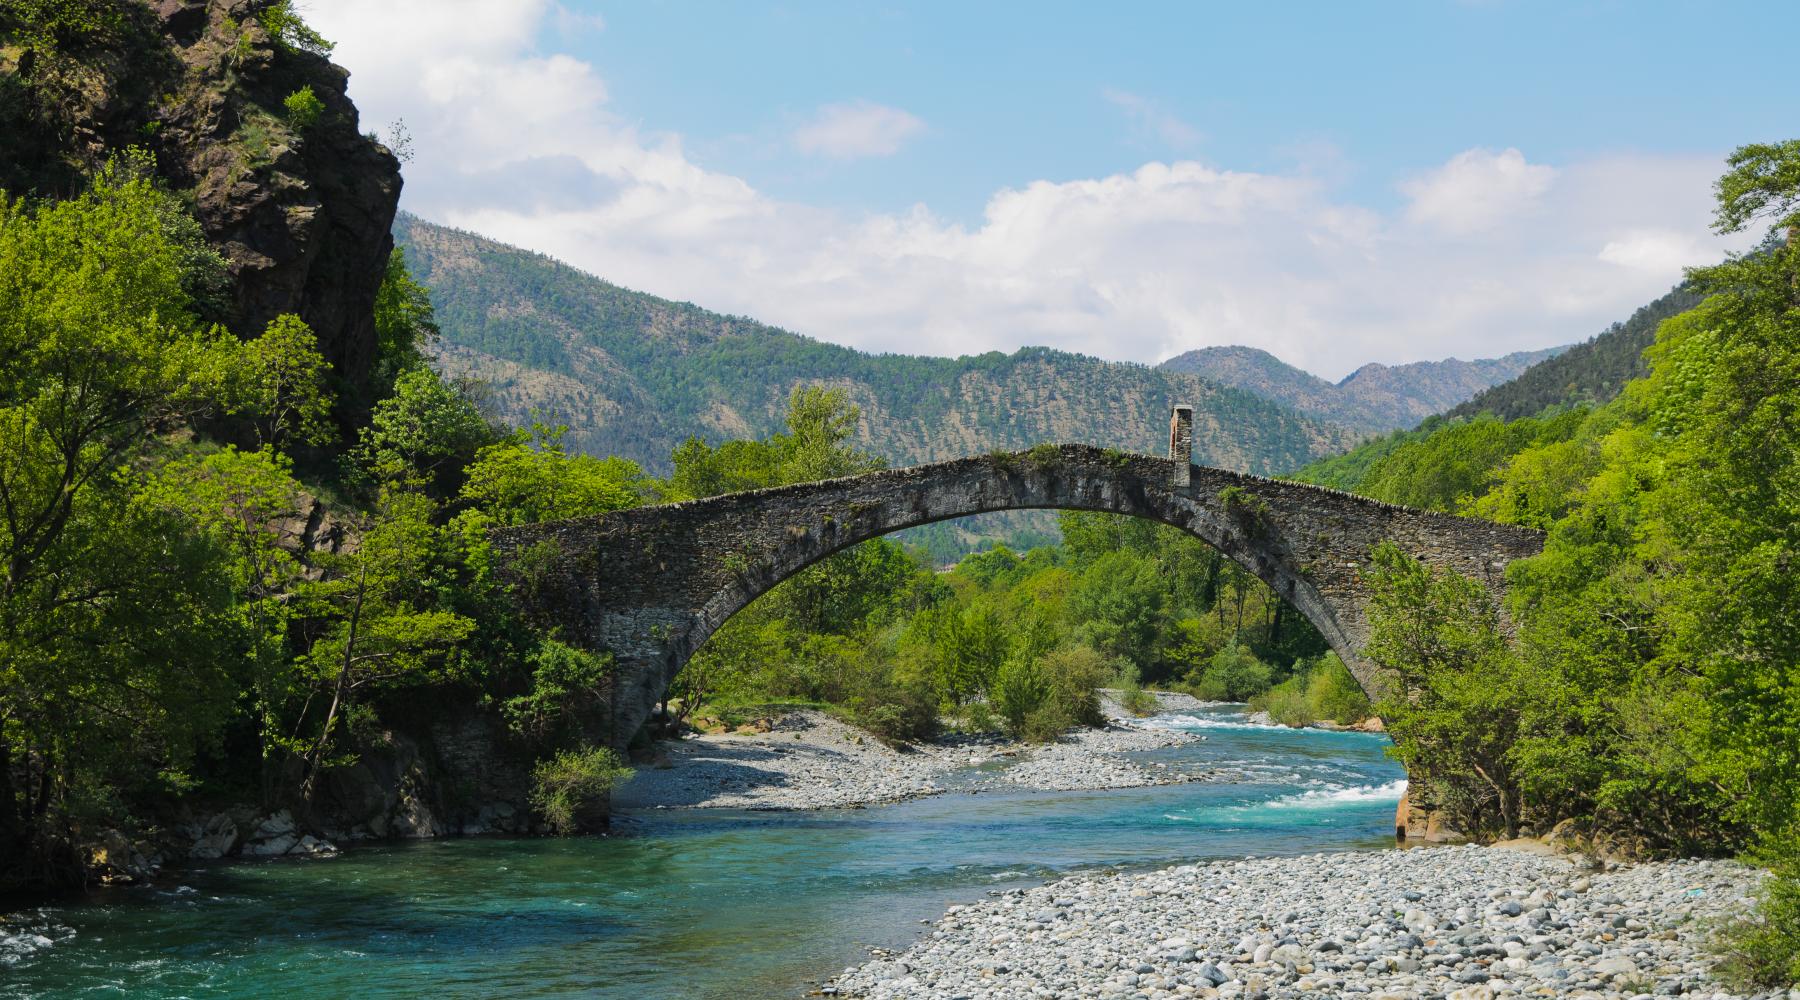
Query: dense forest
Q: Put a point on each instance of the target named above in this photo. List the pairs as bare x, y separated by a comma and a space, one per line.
1650, 700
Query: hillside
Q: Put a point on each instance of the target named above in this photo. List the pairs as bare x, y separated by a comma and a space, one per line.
1593, 371
1404, 466
1375, 398
634, 375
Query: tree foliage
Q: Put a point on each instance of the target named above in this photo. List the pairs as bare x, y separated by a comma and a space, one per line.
1652, 695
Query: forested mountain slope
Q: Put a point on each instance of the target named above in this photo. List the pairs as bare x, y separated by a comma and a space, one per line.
1374, 398
634, 375
1589, 372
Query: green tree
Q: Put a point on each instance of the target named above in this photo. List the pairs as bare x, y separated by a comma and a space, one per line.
283, 385
426, 431
385, 616
405, 324
522, 480
100, 355
1120, 602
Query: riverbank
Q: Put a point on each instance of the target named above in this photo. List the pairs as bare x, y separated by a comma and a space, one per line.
1464, 923
805, 759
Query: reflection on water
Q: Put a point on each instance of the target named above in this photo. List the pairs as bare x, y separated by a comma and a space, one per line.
686, 903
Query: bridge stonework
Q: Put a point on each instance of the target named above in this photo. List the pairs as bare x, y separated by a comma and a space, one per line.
649, 585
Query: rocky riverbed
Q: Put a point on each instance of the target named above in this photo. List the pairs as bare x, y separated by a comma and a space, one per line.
1460, 923
807, 760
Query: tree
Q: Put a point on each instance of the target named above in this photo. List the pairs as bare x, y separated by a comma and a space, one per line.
425, 432
283, 385
99, 356
1120, 602
526, 479
384, 616
405, 324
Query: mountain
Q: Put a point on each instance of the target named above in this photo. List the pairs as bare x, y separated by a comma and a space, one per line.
634, 375
1594, 371
1375, 398
1408, 465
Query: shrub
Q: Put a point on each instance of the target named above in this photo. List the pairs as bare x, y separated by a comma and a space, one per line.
567, 787
565, 683
1763, 950
1038, 699
1020, 688
1287, 703
303, 108
286, 27
1234, 674
1132, 696
1333, 694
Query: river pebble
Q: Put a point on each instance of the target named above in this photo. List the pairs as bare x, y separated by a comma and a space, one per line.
808, 760
1457, 923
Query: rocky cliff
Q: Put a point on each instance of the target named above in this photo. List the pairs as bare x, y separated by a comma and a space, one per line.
293, 194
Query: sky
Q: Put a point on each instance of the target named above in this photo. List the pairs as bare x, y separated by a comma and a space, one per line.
1334, 183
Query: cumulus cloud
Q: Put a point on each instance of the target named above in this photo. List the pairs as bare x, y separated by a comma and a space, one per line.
855, 130
1489, 252
1477, 190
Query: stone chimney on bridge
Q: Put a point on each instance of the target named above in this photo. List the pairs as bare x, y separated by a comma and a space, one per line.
1181, 444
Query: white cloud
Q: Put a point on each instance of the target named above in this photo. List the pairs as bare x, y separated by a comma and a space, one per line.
855, 130
1150, 120
1476, 190
1658, 251
1490, 253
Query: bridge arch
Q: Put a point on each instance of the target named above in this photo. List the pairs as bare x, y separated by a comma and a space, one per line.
650, 585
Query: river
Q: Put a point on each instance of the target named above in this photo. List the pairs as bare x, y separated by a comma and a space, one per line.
684, 904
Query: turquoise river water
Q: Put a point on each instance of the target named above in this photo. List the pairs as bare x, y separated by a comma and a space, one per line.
710, 903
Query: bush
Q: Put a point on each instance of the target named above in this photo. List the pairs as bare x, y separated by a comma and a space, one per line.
1322, 689
1287, 703
1763, 950
567, 788
1234, 674
1333, 694
303, 108
1038, 700
1132, 696
565, 684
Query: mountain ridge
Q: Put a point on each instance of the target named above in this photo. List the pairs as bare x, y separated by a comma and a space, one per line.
635, 375
1374, 398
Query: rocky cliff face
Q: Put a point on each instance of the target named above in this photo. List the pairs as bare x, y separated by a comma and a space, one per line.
299, 204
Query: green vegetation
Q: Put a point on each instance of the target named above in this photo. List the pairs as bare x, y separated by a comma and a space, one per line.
1650, 700
289, 30
303, 108
1321, 690
161, 634
572, 783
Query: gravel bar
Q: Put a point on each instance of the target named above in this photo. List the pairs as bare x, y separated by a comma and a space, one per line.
1459, 923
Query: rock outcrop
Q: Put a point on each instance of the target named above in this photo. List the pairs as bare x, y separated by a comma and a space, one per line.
300, 205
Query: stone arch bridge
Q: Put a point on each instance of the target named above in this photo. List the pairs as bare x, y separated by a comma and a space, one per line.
649, 585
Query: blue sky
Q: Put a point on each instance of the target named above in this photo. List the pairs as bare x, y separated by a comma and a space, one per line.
1336, 183
1015, 92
